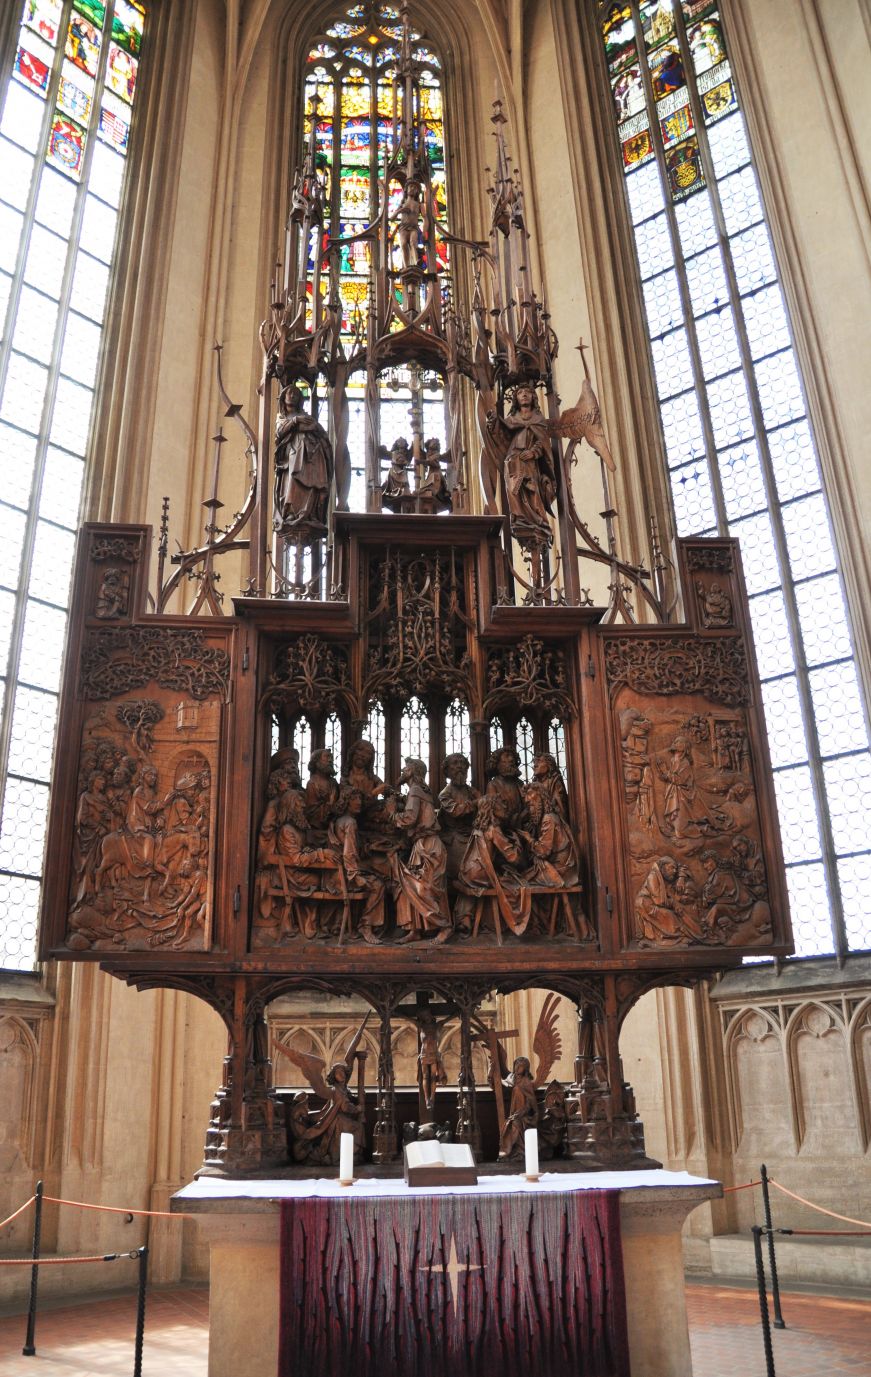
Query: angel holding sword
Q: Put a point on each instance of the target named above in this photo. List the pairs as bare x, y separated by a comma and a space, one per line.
342, 1111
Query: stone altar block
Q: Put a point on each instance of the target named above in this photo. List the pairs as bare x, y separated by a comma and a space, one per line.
241, 1220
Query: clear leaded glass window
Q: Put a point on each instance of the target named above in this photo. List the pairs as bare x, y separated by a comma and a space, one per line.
66, 113
348, 92
740, 450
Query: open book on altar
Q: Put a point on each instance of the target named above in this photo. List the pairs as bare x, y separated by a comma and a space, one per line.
432, 1163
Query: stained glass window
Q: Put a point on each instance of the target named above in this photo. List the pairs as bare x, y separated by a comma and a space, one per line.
348, 92
64, 132
740, 449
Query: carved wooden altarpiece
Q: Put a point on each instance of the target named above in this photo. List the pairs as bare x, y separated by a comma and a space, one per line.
577, 797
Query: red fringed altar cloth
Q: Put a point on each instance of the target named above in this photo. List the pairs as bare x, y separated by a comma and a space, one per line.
519, 1285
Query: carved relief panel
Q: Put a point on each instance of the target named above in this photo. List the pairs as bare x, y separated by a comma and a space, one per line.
694, 857
137, 789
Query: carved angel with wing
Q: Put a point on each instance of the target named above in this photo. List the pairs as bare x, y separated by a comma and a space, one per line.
524, 1087
342, 1112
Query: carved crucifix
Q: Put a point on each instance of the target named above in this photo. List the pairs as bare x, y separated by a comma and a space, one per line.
490, 1037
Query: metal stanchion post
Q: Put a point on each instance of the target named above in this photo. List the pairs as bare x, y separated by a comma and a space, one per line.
29, 1349
140, 1311
757, 1232
779, 1322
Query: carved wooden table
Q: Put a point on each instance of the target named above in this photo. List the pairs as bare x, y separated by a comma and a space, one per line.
446, 1286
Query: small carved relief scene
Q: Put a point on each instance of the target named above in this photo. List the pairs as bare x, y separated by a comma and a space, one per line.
143, 825
694, 835
715, 603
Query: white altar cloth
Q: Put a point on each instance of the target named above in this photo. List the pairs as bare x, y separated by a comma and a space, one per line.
214, 1189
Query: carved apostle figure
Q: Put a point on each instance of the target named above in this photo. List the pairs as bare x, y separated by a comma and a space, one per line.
503, 781
286, 863
530, 482
421, 881
492, 863
458, 803
303, 470
662, 908
344, 836
554, 1122
93, 821
554, 854
112, 597
321, 791
546, 773
727, 899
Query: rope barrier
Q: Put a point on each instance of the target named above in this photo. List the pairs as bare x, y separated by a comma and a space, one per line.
116, 1209
20, 1210
61, 1261
830, 1233
848, 1219
727, 1190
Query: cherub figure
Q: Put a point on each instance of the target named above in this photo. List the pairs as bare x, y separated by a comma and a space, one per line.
342, 1112
395, 490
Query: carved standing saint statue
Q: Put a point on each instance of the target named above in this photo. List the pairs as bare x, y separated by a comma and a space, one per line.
530, 483
303, 471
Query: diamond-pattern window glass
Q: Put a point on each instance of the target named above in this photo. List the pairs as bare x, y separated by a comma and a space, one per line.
706, 276
743, 480
854, 873
796, 810
63, 159
796, 471
809, 908
848, 790
765, 321
823, 619
771, 634
682, 428
785, 723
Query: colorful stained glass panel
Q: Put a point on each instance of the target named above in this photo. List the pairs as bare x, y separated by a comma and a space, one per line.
618, 31
629, 97
657, 21
666, 72
83, 44
94, 10
684, 167
114, 123
121, 71
66, 146
127, 24
73, 101
706, 44
31, 70
43, 16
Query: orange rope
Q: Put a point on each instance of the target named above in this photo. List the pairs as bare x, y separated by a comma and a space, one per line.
20, 1210
727, 1190
59, 1261
848, 1219
117, 1209
833, 1233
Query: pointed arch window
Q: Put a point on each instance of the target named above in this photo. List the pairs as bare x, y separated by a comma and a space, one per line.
741, 453
301, 739
65, 128
376, 733
347, 91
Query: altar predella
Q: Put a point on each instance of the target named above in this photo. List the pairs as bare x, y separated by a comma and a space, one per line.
412, 762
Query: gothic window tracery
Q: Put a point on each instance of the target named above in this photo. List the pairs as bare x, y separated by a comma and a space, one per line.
740, 449
64, 141
347, 91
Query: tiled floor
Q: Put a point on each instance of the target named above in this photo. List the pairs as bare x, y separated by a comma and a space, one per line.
826, 1337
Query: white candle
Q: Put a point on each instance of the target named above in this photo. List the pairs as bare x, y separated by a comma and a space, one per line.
530, 1142
346, 1159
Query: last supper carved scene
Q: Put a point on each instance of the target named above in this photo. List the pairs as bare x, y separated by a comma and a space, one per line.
415, 762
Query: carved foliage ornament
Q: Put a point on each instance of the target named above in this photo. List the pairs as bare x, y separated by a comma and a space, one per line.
718, 559
529, 674
116, 547
680, 664
118, 661
310, 673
